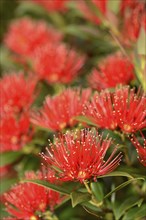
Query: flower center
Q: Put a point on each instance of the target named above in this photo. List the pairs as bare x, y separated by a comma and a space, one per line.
53, 77
113, 125
14, 140
81, 174
127, 128
42, 206
62, 125
33, 217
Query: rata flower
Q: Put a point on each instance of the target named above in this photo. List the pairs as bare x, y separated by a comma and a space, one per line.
57, 63
80, 156
87, 11
4, 170
59, 111
141, 148
17, 92
114, 70
101, 111
126, 5
52, 5
130, 108
25, 35
30, 201
122, 109
15, 133
134, 19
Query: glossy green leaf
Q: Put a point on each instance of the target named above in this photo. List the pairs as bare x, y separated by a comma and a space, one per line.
117, 173
122, 186
97, 191
136, 213
9, 157
126, 205
26, 7
79, 197
46, 184
85, 120
141, 43
6, 184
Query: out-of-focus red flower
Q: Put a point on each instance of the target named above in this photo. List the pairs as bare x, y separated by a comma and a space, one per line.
52, 5
17, 92
141, 148
25, 35
4, 170
87, 11
80, 156
114, 70
122, 109
59, 111
14, 133
30, 201
134, 19
57, 63
126, 5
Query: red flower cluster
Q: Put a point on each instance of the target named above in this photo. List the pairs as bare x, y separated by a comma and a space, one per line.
57, 63
17, 93
25, 36
30, 201
114, 70
14, 133
122, 109
80, 156
99, 5
134, 19
141, 148
52, 5
59, 111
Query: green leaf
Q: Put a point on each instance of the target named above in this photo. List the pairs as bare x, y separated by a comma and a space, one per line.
117, 173
97, 190
85, 120
26, 7
9, 157
79, 197
141, 43
126, 205
6, 184
122, 186
46, 184
136, 213
114, 6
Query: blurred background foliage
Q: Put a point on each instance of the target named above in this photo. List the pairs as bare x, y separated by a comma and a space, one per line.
76, 35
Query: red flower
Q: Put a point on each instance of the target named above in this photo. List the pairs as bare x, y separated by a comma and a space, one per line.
52, 5
134, 19
114, 70
126, 5
80, 156
141, 148
25, 35
29, 201
89, 14
130, 108
4, 170
58, 111
14, 133
17, 93
122, 109
101, 111
56, 63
